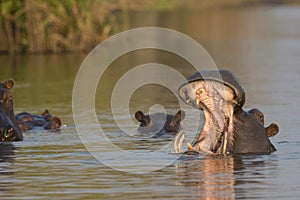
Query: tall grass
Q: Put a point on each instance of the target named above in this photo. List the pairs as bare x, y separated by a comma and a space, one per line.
53, 26
11, 25
60, 25
77, 25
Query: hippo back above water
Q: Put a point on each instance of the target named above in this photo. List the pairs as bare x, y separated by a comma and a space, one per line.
9, 130
46, 121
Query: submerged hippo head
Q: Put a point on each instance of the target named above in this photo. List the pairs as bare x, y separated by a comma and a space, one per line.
28, 121
9, 130
227, 129
53, 125
159, 122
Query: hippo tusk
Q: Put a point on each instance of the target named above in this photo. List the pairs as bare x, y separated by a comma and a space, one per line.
190, 147
197, 101
178, 142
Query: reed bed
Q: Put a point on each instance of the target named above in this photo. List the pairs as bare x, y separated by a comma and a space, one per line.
54, 26
42, 26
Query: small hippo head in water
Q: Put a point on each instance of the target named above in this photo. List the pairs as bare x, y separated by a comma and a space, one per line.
228, 128
159, 123
9, 130
28, 121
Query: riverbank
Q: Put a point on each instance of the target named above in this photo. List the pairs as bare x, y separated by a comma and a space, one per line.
50, 26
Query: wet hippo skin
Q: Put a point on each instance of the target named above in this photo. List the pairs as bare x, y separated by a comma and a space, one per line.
228, 128
9, 130
46, 121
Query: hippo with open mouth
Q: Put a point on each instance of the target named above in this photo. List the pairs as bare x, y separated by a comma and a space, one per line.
9, 130
228, 129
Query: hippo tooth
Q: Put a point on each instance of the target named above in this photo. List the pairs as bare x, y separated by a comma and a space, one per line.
190, 147
201, 149
178, 142
197, 101
224, 150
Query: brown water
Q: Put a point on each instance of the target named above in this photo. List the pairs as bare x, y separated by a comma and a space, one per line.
260, 45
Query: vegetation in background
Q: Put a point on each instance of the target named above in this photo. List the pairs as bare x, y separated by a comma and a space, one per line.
52, 26
58, 26
42, 26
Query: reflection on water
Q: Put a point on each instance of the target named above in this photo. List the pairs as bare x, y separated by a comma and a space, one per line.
7, 159
213, 176
7, 152
231, 177
259, 45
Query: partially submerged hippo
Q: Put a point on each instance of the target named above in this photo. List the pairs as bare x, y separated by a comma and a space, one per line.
9, 130
228, 128
28, 121
159, 123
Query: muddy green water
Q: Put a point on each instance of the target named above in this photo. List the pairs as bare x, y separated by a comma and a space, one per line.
260, 45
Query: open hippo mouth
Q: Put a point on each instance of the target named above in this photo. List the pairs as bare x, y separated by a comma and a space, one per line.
219, 95
7, 134
9, 130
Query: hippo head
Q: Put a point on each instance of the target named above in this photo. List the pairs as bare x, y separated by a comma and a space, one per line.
28, 121
9, 130
227, 128
54, 124
159, 122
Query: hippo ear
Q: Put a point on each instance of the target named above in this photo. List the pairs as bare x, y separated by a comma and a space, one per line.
139, 115
9, 84
272, 130
258, 114
46, 112
180, 115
